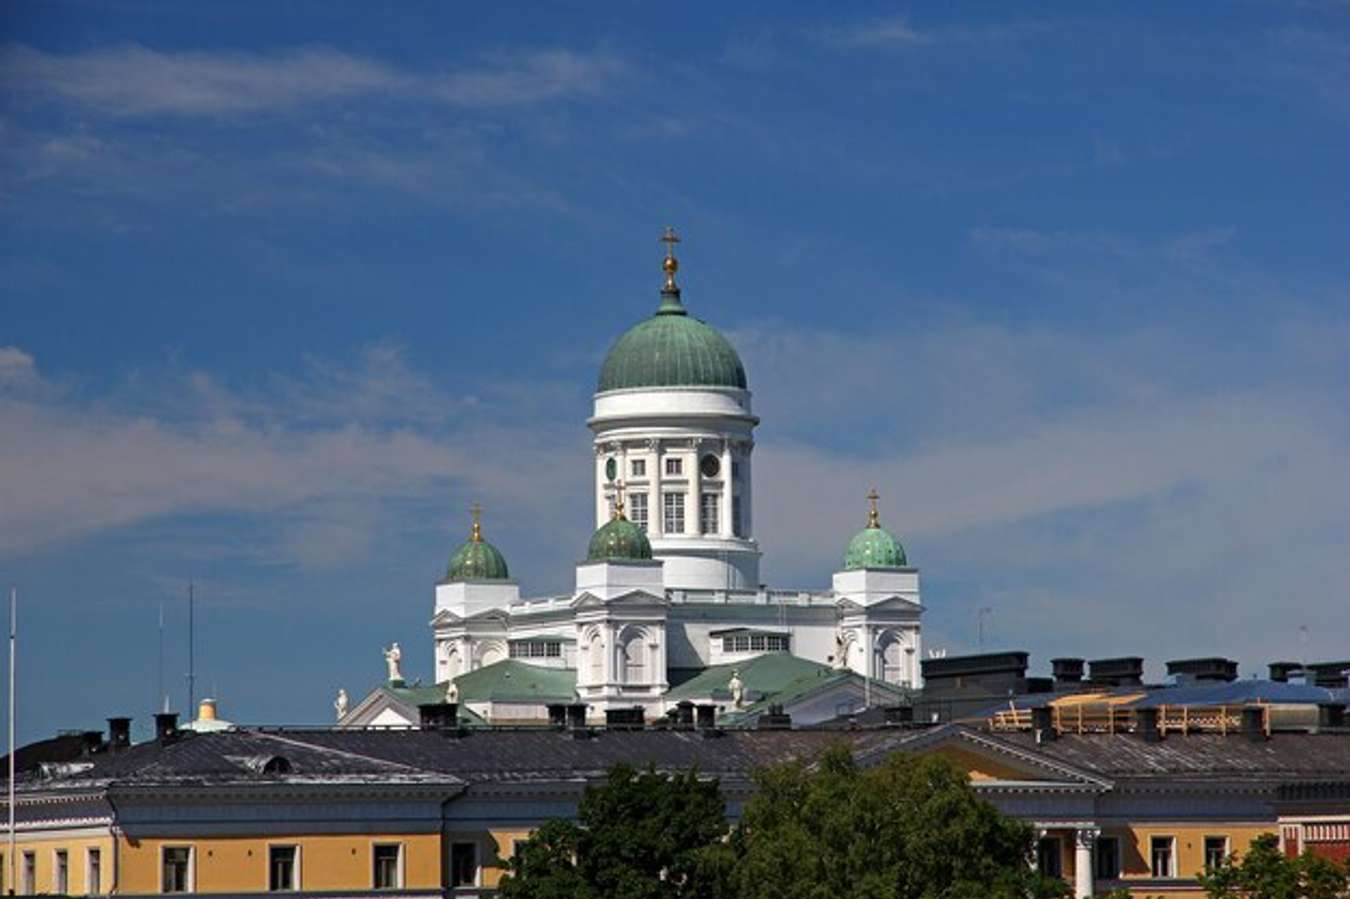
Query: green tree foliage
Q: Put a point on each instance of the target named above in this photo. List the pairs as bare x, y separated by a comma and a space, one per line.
1267, 873
641, 835
910, 828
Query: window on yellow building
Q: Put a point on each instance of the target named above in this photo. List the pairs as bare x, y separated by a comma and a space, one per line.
1049, 859
28, 876
388, 873
176, 870
60, 871
1162, 856
93, 871
463, 864
1106, 858
1216, 850
283, 868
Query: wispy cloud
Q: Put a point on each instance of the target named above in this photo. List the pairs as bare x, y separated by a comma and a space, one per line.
140, 81
898, 32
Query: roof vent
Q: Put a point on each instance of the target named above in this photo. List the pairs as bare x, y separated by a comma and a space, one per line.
1254, 723
557, 714
684, 714
166, 727
775, 719
1330, 715
1332, 675
119, 733
91, 741
1067, 672
438, 715
626, 719
1211, 669
705, 716
1280, 672
1126, 671
1043, 723
576, 720
1146, 724
263, 764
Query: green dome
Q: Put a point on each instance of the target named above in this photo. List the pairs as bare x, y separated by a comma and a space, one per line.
671, 349
618, 540
477, 560
874, 546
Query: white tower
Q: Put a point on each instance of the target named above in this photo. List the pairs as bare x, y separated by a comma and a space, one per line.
672, 422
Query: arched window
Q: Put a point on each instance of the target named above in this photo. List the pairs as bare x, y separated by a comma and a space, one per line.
892, 656
595, 649
634, 658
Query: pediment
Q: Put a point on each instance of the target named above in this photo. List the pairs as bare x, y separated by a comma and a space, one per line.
892, 603
588, 600
445, 617
990, 762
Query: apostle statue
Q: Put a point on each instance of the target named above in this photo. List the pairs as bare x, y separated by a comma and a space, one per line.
737, 688
451, 691
340, 704
392, 656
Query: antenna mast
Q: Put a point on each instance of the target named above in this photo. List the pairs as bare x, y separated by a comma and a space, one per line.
192, 660
13, 632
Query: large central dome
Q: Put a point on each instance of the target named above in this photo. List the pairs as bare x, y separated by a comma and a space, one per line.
671, 349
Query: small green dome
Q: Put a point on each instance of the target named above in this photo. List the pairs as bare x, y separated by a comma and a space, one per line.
619, 540
477, 560
874, 546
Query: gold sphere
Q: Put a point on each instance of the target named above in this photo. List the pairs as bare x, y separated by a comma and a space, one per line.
670, 265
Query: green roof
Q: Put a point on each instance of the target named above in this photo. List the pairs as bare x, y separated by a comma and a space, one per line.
620, 540
767, 675
513, 681
671, 349
874, 547
425, 695
477, 560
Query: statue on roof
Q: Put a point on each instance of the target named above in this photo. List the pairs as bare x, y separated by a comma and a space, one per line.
737, 688
451, 691
340, 704
392, 656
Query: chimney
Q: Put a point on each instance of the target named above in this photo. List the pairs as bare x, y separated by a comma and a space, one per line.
626, 719
774, 719
1043, 723
1068, 673
684, 715
705, 716
1127, 671
91, 741
438, 715
1330, 715
1146, 725
1254, 723
1280, 671
1331, 675
898, 714
1211, 669
576, 717
557, 714
119, 733
166, 726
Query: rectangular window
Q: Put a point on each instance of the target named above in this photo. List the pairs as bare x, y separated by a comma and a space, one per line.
1216, 850
283, 868
736, 516
1106, 858
61, 872
176, 873
707, 513
1048, 857
674, 466
735, 469
28, 876
1161, 856
388, 874
535, 649
674, 512
638, 467
637, 510
463, 864
93, 869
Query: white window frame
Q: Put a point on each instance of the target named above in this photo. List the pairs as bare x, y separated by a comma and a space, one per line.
1204, 848
27, 877
191, 866
672, 513
1171, 856
57, 886
639, 513
398, 869
93, 881
297, 883
637, 468
674, 467
709, 511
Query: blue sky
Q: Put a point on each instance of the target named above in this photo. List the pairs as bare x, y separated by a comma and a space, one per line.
286, 286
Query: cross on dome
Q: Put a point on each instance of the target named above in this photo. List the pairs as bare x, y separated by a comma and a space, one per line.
873, 518
476, 531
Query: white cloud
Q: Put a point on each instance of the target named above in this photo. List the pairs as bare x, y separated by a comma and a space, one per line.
139, 81
17, 368
894, 32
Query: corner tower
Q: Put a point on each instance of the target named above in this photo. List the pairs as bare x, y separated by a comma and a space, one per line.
673, 425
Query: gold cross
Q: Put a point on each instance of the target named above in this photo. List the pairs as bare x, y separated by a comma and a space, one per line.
476, 512
671, 265
618, 498
873, 518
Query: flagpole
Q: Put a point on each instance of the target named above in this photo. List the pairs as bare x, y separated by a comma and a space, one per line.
13, 630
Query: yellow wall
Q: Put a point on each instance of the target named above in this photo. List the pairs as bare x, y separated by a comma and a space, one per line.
239, 864
981, 768
505, 841
44, 846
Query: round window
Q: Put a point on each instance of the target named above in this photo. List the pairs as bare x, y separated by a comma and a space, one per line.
611, 468
709, 466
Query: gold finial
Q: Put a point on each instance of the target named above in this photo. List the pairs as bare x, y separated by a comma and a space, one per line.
476, 532
618, 500
873, 519
671, 265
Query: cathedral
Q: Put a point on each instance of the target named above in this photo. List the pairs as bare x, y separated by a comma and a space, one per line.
668, 607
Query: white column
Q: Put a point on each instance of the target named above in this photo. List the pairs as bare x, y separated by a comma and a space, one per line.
601, 513
656, 511
724, 526
1084, 839
691, 522
747, 495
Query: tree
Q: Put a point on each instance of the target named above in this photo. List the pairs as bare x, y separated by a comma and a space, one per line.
910, 828
638, 836
1267, 873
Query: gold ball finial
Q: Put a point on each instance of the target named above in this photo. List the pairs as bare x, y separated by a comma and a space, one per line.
670, 265
476, 531
873, 517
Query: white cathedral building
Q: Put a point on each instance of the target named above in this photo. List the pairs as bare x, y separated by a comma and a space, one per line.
668, 606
